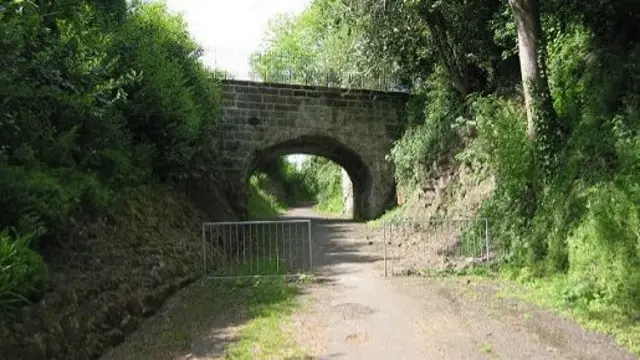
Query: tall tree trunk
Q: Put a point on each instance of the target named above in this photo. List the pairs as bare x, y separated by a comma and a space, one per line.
527, 18
543, 126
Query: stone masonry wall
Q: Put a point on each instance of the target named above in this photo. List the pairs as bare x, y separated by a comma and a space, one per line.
354, 128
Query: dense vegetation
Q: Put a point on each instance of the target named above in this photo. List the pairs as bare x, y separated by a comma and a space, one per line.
264, 200
97, 97
324, 180
280, 185
554, 117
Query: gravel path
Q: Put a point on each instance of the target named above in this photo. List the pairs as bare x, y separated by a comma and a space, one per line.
357, 314
353, 312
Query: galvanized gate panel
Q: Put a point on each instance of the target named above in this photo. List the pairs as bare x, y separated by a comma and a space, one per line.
256, 248
413, 247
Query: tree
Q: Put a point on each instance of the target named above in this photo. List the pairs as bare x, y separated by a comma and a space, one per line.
530, 49
319, 47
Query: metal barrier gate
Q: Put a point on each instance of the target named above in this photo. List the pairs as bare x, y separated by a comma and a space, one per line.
412, 247
256, 248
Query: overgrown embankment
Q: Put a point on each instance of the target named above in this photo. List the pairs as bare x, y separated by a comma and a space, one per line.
105, 171
572, 236
108, 275
281, 185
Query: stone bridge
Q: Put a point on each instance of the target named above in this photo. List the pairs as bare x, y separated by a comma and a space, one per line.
354, 128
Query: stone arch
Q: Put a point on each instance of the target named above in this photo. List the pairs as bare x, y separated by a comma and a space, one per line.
332, 149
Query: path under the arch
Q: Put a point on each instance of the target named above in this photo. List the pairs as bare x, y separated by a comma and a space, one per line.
357, 314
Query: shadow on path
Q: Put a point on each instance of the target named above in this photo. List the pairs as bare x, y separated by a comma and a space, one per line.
203, 320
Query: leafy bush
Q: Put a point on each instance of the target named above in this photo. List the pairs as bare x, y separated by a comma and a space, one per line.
97, 97
324, 179
604, 249
22, 272
293, 182
95, 103
173, 105
319, 181
432, 130
263, 202
582, 223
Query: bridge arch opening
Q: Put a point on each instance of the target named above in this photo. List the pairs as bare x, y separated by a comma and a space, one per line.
331, 149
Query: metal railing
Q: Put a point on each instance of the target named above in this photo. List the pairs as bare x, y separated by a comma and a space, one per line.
256, 248
413, 247
296, 70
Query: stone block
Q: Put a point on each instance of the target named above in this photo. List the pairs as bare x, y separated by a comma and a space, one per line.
355, 127
248, 97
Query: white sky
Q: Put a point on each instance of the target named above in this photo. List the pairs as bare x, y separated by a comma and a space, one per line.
233, 28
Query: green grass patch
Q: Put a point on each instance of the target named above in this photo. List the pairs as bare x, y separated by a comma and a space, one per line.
262, 202
332, 205
252, 312
269, 266
555, 294
23, 273
551, 293
269, 304
396, 214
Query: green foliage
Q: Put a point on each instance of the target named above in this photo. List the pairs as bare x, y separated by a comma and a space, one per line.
97, 97
94, 104
433, 131
324, 179
263, 203
318, 47
22, 272
173, 106
584, 221
604, 249
319, 181
292, 182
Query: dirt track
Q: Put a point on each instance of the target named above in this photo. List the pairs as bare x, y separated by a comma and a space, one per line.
357, 314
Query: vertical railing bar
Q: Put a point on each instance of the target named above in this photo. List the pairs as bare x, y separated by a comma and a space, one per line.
487, 239
273, 240
204, 251
310, 242
291, 246
391, 262
237, 245
225, 234
290, 252
278, 244
251, 247
277, 248
300, 246
216, 245
384, 240
231, 248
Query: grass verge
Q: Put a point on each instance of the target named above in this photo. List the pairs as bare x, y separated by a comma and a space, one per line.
269, 305
262, 202
243, 318
332, 205
549, 294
